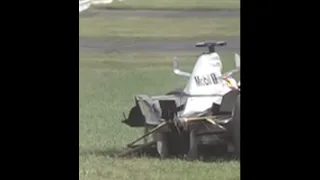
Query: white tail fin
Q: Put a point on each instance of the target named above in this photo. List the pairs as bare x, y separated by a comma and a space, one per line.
204, 82
177, 71
205, 75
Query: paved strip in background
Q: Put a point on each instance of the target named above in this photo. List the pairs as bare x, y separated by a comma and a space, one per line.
109, 46
159, 14
87, 44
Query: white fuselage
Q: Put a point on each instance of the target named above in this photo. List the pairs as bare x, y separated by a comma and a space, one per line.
205, 79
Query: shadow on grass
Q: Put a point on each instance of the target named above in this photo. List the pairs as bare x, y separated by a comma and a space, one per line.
206, 154
216, 154
117, 153
107, 152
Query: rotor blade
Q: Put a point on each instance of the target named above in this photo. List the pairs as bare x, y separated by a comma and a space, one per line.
229, 73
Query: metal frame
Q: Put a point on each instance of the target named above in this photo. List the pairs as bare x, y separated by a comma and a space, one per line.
213, 120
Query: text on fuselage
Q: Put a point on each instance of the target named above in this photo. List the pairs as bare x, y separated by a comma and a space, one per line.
206, 80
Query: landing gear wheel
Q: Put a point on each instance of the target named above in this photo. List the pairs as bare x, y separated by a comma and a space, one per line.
236, 127
161, 141
193, 146
162, 145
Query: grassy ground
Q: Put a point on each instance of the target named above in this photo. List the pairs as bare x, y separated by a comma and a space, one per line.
101, 167
177, 4
156, 28
107, 86
108, 83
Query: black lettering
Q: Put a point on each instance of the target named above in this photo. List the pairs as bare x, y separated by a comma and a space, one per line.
214, 78
206, 80
198, 81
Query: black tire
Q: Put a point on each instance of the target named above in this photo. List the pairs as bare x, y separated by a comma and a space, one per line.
162, 145
178, 143
193, 146
236, 127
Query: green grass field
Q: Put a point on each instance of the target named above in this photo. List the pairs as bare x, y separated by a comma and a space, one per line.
156, 28
177, 4
108, 82
107, 86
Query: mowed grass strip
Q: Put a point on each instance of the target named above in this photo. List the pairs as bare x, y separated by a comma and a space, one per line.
108, 83
176, 4
156, 28
102, 167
